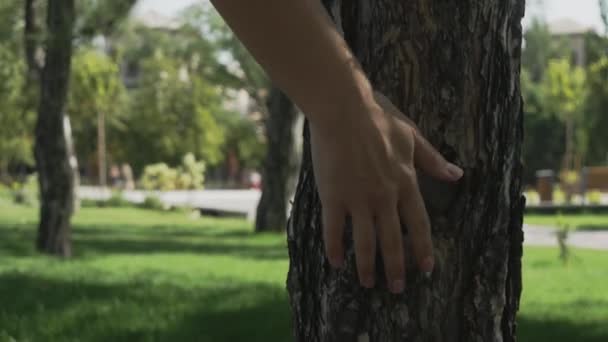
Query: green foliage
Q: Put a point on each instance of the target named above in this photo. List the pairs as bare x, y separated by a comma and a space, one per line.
190, 175
159, 177
117, 200
16, 124
95, 89
172, 114
244, 138
152, 202
596, 120
544, 142
149, 275
593, 197
26, 192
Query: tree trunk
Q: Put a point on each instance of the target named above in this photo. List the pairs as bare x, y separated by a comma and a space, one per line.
453, 67
53, 159
278, 164
101, 149
31, 40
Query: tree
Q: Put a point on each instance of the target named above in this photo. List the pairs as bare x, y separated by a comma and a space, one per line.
96, 95
279, 163
544, 145
279, 115
564, 95
172, 114
52, 148
453, 66
595, 118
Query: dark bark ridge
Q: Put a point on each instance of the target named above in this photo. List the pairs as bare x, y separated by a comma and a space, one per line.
52, 150
453, 67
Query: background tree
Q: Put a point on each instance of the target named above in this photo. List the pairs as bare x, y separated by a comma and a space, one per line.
52, 150
96, 95
544, 144
595, 119
280, 163
457, 76
564, 88
279, 117
172, 114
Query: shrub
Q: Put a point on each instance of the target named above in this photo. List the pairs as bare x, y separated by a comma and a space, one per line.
188, 176
559, 196
594, 197
152, 202
159, 177
117, 201
532, 197
26, 193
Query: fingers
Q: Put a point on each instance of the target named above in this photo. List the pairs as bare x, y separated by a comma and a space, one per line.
391, 243
426, 156
333, 232
413, 212
365, 246
429, 160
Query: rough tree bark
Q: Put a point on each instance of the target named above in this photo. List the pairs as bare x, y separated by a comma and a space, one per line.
453, 67
279, 163
52, 149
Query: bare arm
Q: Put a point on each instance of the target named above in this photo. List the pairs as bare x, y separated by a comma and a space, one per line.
363, 151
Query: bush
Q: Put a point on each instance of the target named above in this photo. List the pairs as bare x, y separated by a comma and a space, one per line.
26, 193
594, 197
117, 201
190, 175
532, 197
152, 202
159, 177
559, 196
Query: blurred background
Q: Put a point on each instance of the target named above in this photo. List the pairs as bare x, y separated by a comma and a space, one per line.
187, 158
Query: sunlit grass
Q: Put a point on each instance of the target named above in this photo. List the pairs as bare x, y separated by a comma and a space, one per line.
140, 275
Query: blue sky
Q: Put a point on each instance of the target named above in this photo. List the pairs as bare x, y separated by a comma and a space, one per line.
585, 12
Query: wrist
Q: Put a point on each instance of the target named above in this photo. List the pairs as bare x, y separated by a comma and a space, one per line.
342, 103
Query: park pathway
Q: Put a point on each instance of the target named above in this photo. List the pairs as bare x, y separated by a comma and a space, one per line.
546, 236
245, 202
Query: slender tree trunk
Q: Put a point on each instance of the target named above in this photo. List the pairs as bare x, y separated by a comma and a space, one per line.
278, 164
31, 40
101, 149
52, 150
453, 67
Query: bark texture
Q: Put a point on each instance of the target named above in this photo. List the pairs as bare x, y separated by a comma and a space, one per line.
453, 67
279, 164
52, 150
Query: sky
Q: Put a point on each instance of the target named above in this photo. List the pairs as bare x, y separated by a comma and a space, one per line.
586, 12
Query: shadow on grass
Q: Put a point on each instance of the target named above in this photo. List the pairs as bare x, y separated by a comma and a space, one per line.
532, 329
18, 240
137, 311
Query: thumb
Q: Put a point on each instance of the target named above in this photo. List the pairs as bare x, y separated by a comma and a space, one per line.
429, 160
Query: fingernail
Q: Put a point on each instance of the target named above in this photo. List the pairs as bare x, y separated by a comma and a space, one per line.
454, 171
398, 286
427, 265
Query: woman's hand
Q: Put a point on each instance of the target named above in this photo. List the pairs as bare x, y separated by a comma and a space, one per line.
365, 167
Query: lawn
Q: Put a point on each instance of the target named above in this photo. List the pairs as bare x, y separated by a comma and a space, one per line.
574, 221
149, 276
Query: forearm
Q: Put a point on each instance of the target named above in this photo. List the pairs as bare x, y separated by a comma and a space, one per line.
301, 50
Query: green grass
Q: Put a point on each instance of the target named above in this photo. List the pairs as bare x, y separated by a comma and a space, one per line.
574, 221
141, 275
